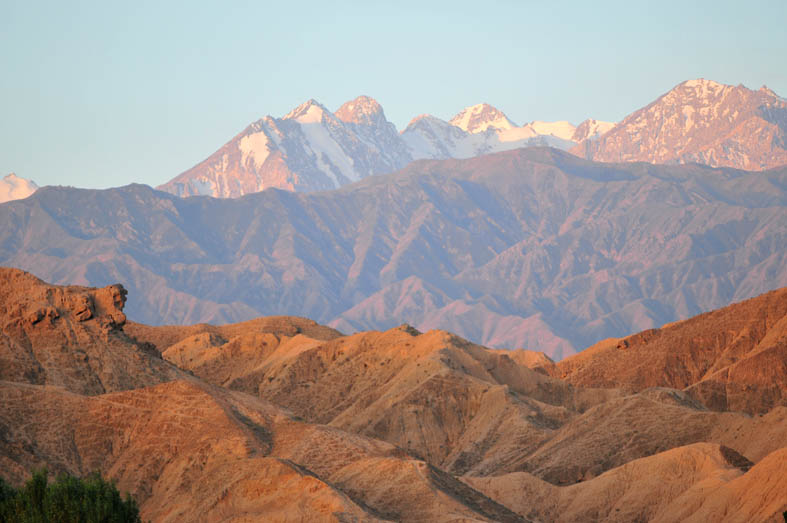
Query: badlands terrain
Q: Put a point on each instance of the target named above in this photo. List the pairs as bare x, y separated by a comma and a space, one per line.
280, 418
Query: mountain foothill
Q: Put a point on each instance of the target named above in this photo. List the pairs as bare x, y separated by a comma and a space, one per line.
285, 419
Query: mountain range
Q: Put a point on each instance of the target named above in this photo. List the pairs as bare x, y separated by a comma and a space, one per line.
312, 149
698, 121
532, 248
280, 418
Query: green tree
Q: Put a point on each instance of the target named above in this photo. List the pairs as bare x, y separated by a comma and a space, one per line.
66, 500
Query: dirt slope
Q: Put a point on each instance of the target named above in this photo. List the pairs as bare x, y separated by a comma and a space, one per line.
734, 358
189, 451
457, 405
699, 482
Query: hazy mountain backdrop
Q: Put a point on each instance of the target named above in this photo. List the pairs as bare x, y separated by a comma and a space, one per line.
531, 248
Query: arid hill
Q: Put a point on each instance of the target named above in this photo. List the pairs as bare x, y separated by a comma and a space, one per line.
280, 418
456, 404
734, 358
190, 451
700, 482
465, 408
71, 337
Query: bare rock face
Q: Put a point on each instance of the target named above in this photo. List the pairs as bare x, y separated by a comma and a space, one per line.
29, 298
700, 121
109, 303
71, 337
82, 307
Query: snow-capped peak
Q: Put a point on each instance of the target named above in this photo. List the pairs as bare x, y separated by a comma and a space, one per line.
310, 111
363, 110
560, 129
13, 187
702, 83
478, 118
704, 89
591, 129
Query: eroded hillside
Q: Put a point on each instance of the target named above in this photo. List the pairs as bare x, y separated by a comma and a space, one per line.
282, 418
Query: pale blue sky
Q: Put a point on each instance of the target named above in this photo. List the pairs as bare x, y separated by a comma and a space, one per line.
100, 94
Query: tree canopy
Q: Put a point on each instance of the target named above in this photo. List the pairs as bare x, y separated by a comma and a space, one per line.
68, 499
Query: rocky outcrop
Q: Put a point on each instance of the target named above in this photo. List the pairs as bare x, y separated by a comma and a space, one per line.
71, 337
29, 298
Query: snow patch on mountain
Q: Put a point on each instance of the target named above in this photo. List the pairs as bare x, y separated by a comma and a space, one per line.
481, 117
328, 154
255, 147
308, 112
13, 187
431, 137
562, 129
591, 129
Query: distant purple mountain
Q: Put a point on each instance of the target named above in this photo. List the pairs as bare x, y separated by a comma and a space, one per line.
532, 248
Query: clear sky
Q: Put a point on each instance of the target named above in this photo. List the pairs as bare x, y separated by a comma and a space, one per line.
100, 94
